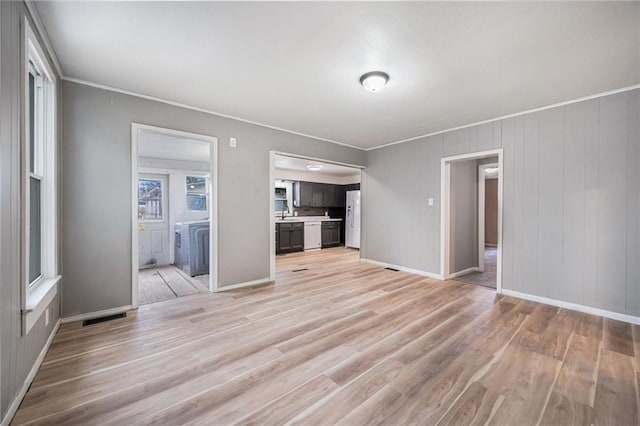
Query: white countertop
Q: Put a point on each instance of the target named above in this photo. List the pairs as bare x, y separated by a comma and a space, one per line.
308, 219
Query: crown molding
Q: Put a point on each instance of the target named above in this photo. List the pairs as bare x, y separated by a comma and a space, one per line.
206, 111
32, 8
515, 114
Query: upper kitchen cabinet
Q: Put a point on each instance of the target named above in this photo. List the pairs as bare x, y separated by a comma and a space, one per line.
318, 194
339, 196
308, 194
329, 197
303, 194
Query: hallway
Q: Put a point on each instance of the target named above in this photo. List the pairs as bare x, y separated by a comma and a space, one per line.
488, 277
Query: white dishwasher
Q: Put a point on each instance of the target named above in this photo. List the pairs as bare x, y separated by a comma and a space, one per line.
312, 235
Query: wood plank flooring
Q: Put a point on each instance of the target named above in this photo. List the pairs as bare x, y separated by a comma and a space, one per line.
168, 282
341, 342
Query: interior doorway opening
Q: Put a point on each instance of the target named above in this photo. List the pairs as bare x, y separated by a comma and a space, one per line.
174, 232
472, 218
314, 205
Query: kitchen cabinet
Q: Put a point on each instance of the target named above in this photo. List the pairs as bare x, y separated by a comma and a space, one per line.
339, 196
289, 237
304, 192
329, 195
322, 195
318, 194
331, 233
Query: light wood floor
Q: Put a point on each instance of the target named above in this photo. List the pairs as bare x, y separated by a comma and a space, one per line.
168, 282
342, 342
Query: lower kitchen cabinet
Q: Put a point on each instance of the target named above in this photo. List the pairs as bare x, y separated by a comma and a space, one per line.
289, 237
331, 233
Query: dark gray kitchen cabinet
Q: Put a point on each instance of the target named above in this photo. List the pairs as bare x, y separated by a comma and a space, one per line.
331, 233
318, 194
339, 196
289, 237
306, 194
322, 195
329, 196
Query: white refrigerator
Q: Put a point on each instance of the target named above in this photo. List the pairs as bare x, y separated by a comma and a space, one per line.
352, 227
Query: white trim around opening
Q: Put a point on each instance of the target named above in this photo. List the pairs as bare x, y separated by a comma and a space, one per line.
213, 211
272, 217
445, 182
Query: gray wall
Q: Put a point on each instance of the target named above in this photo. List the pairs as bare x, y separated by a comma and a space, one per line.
17, 353
463, 204
97, 196
571, 201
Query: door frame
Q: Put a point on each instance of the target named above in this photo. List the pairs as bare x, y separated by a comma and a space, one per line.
481, 211
213, 211
272, 216
445, 225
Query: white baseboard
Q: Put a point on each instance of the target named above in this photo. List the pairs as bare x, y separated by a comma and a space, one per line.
13, 408
573, 306
403, 269
97, 314
463, 272
245, 284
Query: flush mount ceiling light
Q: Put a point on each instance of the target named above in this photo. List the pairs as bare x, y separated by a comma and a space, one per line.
374, 80
314, 167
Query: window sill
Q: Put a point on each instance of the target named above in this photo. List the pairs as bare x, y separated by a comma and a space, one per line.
38, 299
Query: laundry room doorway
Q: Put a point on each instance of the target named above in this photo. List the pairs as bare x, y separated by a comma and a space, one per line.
174, 232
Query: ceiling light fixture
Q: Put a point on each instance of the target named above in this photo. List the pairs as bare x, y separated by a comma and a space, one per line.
491, 169
374, 80
314, 167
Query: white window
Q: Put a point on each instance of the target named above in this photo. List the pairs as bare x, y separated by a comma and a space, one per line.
197, 190
39, 186
283, 198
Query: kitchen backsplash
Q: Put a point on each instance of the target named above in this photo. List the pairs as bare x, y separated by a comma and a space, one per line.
315, 211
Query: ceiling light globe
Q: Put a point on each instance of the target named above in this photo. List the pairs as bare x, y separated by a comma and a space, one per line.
374, 81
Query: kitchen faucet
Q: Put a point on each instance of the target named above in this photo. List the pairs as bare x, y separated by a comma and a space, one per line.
285, 210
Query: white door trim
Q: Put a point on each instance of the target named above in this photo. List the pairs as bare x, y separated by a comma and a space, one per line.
272, 217
213, 212
445, 183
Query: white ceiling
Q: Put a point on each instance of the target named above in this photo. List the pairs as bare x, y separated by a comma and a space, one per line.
159, 145
299, 164
296, 65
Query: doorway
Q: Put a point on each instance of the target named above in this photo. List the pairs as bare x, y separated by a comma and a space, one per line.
314, 211
471, 249
174, 218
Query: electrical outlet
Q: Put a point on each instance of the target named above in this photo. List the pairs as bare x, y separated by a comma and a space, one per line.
46, 317
430, 201
233, 142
